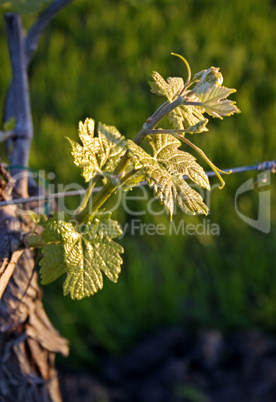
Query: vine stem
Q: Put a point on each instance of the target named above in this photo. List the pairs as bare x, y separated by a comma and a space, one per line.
100, 198
87, 194
164, 131
127, 176
156, 118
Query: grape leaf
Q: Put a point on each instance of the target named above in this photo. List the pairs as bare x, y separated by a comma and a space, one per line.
208, 77
52, 264
186, 117
214, 102
212, 94
165, 150
83, 252
22, 6
97, 154
164, 172
182, 117
170, 88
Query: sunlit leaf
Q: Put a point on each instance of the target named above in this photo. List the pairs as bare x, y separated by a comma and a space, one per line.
165, 150
208, 77
182, 117
97, 154
83, 252
53, 263
164, 172
207, 96
212, 94
214, 102
198, 127
170, 88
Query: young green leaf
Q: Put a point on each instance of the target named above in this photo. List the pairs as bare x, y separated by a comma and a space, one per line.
165, 150
182, 117
97, 155
186, 117
214, 101
83, 252
170, 88
164, 172
53, 263
212, 95
198, 127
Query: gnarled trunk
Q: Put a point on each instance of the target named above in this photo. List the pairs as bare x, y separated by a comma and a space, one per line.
28, 341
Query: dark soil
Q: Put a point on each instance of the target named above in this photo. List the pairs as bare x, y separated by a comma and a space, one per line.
171, 366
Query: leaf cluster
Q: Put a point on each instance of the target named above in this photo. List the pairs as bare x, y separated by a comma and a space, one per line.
97, 155
82, 245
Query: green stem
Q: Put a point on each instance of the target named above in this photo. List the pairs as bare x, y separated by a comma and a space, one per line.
127, 176
87, 194
102, 195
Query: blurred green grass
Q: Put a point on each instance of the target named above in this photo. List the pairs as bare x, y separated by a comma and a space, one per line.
94, 61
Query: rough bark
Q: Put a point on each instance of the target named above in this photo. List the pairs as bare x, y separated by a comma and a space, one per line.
28, 341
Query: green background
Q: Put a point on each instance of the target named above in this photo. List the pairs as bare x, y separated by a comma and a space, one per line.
94, 60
